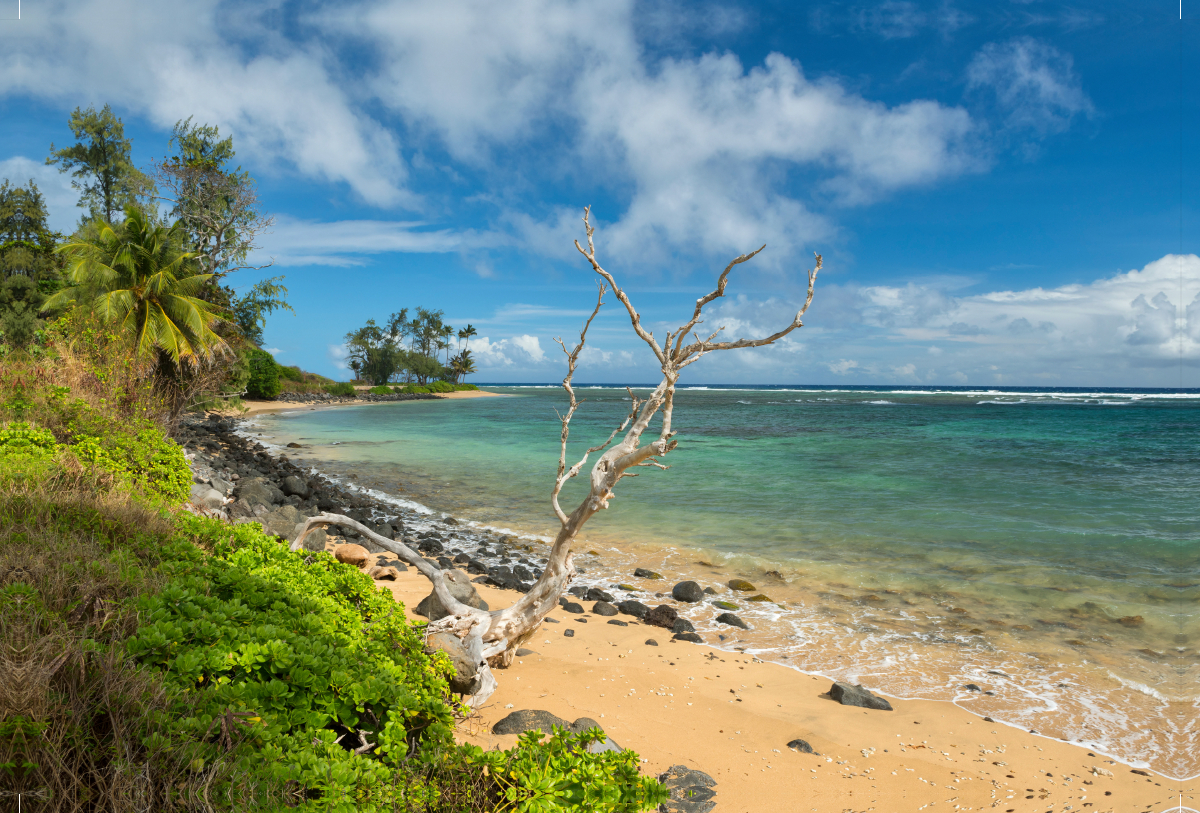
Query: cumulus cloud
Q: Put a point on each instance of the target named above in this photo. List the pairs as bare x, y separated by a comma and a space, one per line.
1133, 324
283, 102
1034, 85
522, 351
701, 142
338, 355
344, 242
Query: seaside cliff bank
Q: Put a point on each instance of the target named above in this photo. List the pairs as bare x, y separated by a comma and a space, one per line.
760, 735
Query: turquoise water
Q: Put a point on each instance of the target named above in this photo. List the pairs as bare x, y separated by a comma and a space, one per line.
1009, 529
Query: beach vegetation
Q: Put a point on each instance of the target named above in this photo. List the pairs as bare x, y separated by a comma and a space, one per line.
342, 389
264, 379
135, 276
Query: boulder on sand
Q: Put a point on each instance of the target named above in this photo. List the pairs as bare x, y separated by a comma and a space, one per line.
460, 587
355, 555
849, 695
688, 591
662, 616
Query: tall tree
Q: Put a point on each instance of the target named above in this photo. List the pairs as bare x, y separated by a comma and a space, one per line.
137, 277
466, 333
375, 351
216, 205
462, 365
100, 165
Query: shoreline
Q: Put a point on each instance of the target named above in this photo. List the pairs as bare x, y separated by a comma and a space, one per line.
905, 644
267, 407
732, 715
663, 741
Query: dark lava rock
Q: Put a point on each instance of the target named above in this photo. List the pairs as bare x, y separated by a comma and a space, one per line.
293, 486
460, 587
690, 791
477, 568
708, 591
688, 591
971, 687
740, 585
430, 546
662, 616
596, 594
445, 562
528, 720
651, 642
551, 620
682, 625
849, 695
604, 608
578, 590
583, 724
635, 608
691, 637
522, 652
988, 720
466, 679
617, 623
802, 746
572, 607
568, 633
581, 620
462, 559
643, 573
732, 620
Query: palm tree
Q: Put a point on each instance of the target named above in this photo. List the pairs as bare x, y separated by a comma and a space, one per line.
447, 333
466, 333
462, 365
137, 277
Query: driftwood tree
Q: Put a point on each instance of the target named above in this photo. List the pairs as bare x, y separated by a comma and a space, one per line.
491, 639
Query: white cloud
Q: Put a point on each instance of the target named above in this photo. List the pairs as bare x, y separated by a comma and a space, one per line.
169, 61
1035, 85
1131, 327
274, 351
337, 355
515, 351
530, 345
341, 243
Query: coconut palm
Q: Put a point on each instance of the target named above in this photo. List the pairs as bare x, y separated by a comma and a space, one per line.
462, 365
447, 333
136, 277
466, 333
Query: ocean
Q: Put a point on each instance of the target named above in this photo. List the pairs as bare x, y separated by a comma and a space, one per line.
1031, 554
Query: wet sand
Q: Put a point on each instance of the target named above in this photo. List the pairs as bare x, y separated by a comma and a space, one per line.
731, 716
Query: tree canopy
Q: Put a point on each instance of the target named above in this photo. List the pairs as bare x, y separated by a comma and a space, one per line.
136, 276
101, 165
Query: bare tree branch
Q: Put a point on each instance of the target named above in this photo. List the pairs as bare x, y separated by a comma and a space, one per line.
492, 638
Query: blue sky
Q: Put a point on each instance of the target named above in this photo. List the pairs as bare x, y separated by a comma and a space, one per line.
995, 187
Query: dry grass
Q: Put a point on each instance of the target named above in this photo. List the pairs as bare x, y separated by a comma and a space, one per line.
77, 715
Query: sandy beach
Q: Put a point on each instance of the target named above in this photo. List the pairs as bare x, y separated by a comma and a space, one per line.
260, 407
731, 716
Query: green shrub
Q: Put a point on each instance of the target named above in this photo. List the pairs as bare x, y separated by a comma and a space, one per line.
292, 373
342, 389
264, 375
382, 389
469, 387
